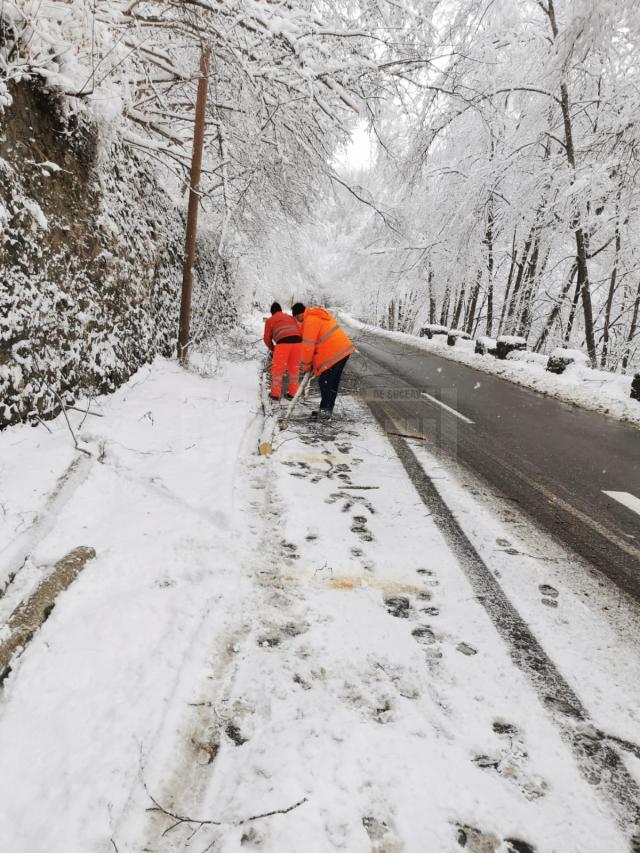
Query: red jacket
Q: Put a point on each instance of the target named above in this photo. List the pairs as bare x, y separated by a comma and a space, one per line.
281, 328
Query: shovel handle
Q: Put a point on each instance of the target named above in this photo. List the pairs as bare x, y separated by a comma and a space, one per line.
301, 389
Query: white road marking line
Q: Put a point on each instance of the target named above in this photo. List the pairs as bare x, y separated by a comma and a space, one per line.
444, 406
626, 499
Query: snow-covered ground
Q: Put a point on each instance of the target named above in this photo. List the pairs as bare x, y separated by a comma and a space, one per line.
598, 390
282, 653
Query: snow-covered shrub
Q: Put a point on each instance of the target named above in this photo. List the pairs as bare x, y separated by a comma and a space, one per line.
527, 357
455, 335
508, 343
431, 329
485, 345
559, 359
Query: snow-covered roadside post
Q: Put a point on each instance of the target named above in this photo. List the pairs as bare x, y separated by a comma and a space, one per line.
194, 200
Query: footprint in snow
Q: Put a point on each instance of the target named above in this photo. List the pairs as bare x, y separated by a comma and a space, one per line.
234, 734
310, 439
369, 698
509, 761
398, 606
517, 845
382, 837
424, 634
476, 841
549, 595
349, 501
279, 633
290, 549
383, 712
251, 837
501, 727
294, 629
207, 747
359, 526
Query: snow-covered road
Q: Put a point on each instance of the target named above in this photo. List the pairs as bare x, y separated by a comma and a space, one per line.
286, 654
561, 464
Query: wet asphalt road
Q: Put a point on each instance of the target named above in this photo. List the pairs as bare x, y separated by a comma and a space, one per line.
555, 461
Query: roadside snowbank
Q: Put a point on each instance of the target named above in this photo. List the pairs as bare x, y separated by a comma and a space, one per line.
89, 702
591, 389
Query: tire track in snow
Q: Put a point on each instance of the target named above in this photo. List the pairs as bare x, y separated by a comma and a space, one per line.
186, 748
194, 732
181, 762
598, 761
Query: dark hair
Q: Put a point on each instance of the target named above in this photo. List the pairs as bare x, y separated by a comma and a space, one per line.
276, 307
298, 308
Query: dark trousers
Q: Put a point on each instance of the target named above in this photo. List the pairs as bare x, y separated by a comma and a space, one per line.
329, 382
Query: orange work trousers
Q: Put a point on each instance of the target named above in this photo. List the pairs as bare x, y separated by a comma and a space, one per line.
286, 359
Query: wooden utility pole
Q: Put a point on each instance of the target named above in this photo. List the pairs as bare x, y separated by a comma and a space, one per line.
194, 201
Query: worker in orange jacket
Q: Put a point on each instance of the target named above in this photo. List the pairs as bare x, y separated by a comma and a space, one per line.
325, 348
282, 337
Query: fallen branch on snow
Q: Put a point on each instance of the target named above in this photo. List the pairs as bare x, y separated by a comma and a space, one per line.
415, 435
360, 488
198, 824
85, 412
64, 408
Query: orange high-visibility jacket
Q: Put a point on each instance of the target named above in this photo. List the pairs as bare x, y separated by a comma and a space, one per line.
323, 341
281, 328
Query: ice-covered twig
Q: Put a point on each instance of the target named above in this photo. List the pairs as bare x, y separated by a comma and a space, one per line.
85, 412
199, 823
66, 417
